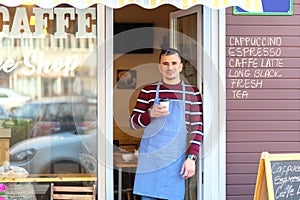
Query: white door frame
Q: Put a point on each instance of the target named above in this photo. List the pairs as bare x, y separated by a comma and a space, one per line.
100, 102
109, 74
212, 63
105, 185
214, 104
214, 100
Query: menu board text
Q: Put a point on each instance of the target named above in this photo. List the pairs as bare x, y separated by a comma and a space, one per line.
252, 60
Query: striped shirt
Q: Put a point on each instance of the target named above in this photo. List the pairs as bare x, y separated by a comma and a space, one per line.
140, 116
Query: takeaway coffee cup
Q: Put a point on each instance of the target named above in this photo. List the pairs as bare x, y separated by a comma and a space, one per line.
165, 102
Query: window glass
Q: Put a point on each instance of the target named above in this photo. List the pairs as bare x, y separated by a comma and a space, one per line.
188, 48
48, 96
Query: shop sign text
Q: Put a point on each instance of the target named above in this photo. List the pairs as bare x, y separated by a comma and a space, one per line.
37, 63
19, 26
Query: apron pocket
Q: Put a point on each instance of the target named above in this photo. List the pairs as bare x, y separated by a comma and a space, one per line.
156, 125
165, 147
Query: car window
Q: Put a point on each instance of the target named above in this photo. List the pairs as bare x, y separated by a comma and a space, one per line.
50, 112
32, 110
84, 111
90, 113
79, 110
65, 109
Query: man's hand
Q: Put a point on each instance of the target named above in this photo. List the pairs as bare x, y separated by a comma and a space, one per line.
188, 168
158, 111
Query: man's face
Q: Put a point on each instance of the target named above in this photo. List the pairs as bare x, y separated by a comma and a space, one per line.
170, 67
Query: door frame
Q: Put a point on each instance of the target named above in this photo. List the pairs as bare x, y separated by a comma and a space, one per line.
211, 28
214, 101
213, 150
105, 185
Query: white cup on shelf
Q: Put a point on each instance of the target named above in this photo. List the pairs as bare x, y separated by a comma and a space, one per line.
127, 157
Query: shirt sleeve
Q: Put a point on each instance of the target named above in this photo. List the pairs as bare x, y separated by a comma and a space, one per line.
196, 120
140, 116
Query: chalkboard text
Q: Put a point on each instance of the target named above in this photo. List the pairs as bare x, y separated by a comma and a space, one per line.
286, 179
251, 61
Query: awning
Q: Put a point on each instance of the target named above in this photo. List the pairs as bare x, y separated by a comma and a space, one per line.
248, 5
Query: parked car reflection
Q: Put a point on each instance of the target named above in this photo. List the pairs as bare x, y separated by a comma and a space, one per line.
3, 113
11, 100
55, 115
57, 153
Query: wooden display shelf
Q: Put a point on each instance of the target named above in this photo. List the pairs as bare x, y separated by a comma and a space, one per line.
49, 178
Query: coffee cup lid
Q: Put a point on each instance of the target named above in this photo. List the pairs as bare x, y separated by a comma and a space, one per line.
164, 100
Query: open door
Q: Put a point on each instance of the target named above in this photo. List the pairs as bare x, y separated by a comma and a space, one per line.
190, 27
186, 36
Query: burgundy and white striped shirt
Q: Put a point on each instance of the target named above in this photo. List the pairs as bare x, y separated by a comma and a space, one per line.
140, 116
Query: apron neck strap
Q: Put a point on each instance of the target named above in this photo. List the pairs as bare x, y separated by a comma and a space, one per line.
158, 87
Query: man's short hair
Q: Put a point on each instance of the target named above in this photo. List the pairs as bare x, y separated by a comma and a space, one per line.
169, 51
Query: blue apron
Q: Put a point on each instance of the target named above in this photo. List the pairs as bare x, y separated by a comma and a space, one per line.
162, 153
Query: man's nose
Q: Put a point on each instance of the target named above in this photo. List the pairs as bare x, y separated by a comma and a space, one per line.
170, 66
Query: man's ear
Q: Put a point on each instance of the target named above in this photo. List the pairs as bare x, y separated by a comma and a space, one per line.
181, 66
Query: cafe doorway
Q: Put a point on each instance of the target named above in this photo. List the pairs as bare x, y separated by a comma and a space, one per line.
181, 29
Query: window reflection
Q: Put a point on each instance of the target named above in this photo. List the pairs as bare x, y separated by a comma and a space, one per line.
187, 46
50, 113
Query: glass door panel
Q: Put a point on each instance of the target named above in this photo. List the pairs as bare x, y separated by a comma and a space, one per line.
186, 36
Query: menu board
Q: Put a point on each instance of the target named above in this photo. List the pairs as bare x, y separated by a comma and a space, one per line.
251, 62
278, 177
286, 179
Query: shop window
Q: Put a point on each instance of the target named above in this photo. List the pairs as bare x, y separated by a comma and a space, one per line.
55, 124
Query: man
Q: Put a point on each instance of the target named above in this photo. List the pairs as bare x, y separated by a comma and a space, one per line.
162, 164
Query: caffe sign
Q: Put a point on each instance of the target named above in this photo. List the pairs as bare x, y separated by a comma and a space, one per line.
19, 26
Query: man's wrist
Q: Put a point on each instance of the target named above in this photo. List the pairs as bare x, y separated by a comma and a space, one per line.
192, 157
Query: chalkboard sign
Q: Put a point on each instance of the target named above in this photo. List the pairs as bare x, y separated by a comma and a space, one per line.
278, 177
286, 179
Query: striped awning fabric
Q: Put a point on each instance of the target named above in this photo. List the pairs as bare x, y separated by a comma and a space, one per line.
248, 5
